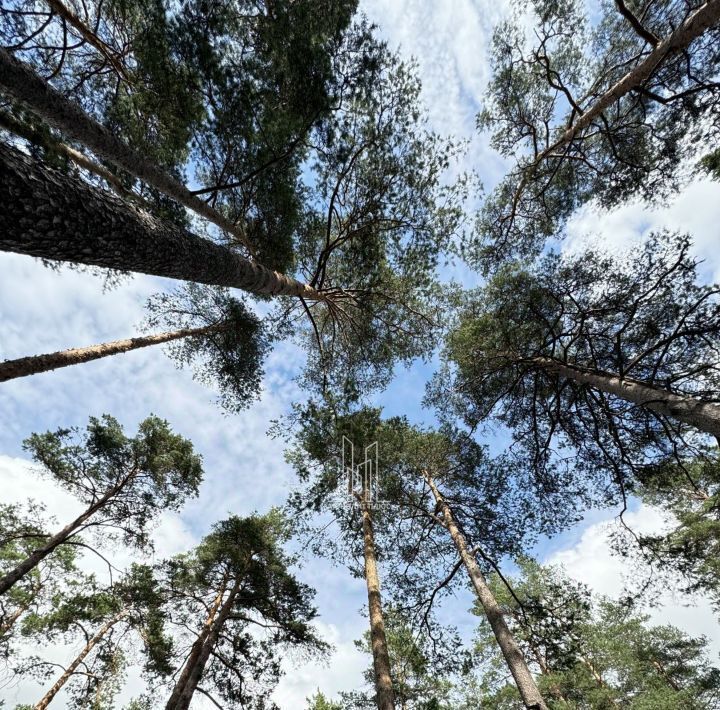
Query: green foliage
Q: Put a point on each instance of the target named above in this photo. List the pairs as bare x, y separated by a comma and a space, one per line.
22, 529
545, 78
119, 616
422, 670
690, 550
127, 482
230, 357
241, 563
642, 316
592, 652
318, 701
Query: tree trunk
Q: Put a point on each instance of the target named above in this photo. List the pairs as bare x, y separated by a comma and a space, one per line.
19, 81
385, 696
195, 651
34, 558
9, 621
700, 20
51, 215
24, 366
60, 682
704, 416
30, 133
182, 697
511, 651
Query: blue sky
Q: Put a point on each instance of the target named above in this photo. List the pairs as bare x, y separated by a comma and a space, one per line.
43, 310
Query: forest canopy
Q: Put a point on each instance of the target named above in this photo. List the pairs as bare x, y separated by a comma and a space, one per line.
436, 287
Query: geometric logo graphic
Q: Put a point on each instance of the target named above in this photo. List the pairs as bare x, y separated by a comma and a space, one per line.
362, 478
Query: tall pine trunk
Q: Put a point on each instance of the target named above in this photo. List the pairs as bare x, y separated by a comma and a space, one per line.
508, 646
196, 649
694, 25
35, 364
385, 696
60, 682
19, 81
51, 215
35, 557
195, 666
704, 416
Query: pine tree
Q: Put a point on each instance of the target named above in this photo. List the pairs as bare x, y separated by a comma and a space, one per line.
110, 623
594, 652
610, 360
236, 605
124, 484
223, 341
601, 108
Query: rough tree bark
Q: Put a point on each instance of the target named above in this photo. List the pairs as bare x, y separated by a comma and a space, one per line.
51, 215
508, 646
35, 364
197, 670
704, 416
60, 682
384, 693
35, 557
19, 81
196, 650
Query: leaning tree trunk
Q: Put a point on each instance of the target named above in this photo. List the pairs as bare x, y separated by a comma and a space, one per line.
19, 81
50, 143
51, 215
704, 416
60, 682
511, 651
385, 696
196, 650
181, 700
694, 25
35, 364
35, 557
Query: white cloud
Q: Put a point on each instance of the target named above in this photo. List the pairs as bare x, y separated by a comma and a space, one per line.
450, 40
590, 561
695, 211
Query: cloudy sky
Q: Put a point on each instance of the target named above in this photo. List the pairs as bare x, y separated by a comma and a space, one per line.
43, 310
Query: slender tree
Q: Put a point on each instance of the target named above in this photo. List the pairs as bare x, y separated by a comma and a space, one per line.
110, 623
597, 108
610, 360
420, 533
20, 528
223, 341
424, 672
595, 652
238, 605
124, 483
